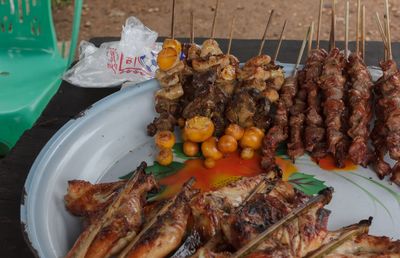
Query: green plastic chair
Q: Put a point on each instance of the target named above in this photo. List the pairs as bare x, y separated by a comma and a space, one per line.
31, 65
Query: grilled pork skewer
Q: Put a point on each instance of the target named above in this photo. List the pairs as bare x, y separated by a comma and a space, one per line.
314, 132
280, 130
359, 100
333, 82
121, 221
167, 232
295, 146
360, 103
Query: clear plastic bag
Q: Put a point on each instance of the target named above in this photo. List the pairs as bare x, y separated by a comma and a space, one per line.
132, 59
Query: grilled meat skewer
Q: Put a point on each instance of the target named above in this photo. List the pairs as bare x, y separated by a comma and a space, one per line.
333, 83
389, 106
360, 103
295, 146
314, 132
279, 132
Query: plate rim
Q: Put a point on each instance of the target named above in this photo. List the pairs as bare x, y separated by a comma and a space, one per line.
37, 169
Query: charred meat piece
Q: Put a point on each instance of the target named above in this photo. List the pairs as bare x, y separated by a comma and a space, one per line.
314, 132
249, 108
360, 104
332, 85
280, 130
166, 234
121, 221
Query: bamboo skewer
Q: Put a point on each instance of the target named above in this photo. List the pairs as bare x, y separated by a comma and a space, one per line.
278, 48
350, 232
310, 38
214, 19
265, 33
231, 33
363, 32
321, 3
303, 45
173, 20
324, 196
388, 35
332, 40
191, 27
381, 31
346, 31
358, 27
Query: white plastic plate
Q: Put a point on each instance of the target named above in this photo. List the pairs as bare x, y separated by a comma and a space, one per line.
109, 140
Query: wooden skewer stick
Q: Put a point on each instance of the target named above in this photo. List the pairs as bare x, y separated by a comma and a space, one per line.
231, 33
358, 27
350, 232
310, 39
324, 197
321, 5
278, 48
191, 27
214, 19
332, 40
346, 31
363, 32
303, 46
173, 20
389, 37
381, 31
386, 34
265, 33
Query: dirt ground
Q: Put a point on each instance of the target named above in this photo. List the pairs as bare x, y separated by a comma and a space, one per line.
105, 18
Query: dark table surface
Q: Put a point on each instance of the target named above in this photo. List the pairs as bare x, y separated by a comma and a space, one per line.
66, 104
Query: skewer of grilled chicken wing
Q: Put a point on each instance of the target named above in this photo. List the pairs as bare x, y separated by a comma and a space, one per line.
166, 234
85, 199
119, 223
208, 208
262, 211
301, 231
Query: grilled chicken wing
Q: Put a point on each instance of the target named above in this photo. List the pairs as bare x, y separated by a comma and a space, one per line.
166, 234
86, 199
119, 223
262, 211
208, 208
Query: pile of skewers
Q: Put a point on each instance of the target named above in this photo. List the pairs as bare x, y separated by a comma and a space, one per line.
259, 216
326, 108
